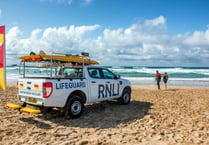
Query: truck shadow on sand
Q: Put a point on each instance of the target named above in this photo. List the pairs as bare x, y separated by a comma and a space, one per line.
101, 115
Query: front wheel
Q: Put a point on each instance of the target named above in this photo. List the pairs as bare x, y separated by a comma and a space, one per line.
126, 97
74, 108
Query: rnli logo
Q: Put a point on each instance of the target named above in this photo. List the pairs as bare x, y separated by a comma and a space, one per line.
108, 90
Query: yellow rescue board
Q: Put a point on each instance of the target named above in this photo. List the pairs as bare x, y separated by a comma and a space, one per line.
30, 110
22, 109
13, 106
78, 59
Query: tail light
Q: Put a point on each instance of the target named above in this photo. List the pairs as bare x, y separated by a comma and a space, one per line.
47, 89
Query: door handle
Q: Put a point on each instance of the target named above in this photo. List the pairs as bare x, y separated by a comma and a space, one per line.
108, 82
93, 82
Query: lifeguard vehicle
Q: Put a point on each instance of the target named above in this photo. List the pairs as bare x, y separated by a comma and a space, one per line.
66, 82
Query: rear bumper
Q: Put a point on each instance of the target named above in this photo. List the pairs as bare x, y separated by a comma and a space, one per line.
32, 100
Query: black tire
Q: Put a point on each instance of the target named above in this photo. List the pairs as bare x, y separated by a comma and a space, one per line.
75, 107
125, 97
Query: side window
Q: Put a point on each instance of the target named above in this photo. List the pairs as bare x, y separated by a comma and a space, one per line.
108, 74
94, 73
73, 72
68, 72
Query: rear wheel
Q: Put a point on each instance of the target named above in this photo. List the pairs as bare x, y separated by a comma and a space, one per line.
74, 108
126, 97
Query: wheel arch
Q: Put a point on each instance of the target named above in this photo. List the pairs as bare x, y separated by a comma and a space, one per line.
125, 96
79, 93
127, 88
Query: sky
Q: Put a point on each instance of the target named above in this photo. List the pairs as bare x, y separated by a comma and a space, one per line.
114, 32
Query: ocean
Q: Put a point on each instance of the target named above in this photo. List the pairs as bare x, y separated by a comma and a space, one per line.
138, 75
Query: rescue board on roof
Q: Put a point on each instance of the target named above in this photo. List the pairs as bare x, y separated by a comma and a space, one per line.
58, 58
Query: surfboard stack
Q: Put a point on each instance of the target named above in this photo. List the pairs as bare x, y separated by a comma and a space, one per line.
73, 59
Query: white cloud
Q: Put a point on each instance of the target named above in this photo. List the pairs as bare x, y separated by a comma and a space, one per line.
199, 38
139, 44
157, 21
59, 40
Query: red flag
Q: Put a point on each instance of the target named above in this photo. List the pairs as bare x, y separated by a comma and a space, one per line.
2, 58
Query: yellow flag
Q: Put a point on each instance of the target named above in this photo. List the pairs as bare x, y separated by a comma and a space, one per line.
2, 58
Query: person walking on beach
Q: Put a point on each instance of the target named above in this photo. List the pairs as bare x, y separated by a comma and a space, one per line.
158, 79
165, 79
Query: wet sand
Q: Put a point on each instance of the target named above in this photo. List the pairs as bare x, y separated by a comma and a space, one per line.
176, 116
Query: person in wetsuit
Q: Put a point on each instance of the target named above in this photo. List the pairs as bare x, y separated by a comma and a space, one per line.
165, 79
158, 79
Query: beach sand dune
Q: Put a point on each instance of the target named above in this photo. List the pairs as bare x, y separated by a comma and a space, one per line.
174, 116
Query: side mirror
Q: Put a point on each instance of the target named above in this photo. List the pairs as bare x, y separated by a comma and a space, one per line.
117, 76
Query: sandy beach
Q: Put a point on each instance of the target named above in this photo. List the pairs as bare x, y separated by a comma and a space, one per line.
176, 116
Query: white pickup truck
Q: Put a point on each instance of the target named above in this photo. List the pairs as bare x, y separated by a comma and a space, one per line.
69, 87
